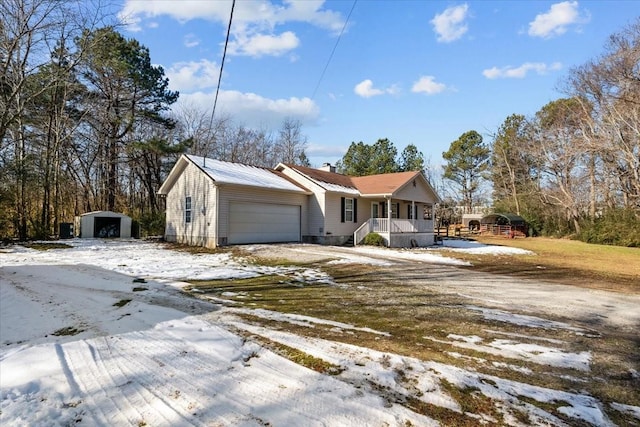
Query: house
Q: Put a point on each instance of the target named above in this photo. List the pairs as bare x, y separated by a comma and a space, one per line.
215, 203
103, 224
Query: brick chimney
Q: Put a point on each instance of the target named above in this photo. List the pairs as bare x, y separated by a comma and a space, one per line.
327, 168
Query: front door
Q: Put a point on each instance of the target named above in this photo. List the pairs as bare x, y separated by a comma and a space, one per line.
375, 213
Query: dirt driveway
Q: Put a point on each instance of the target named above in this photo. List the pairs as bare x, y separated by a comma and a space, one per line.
587, 307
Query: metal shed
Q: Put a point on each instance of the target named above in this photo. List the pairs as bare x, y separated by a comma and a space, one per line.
103, 224
506, 224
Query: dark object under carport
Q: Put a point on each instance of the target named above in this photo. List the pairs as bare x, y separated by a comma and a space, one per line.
103, 224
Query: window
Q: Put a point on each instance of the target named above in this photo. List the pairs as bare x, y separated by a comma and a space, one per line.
348, 210
395, 208
187, 209
412, 213
428, 211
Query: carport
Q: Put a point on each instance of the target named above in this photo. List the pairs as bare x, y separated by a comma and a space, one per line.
103, 224
506, 224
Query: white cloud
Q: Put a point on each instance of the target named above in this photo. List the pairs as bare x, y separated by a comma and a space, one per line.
189, 76
253, 110
319, 150
450, 25
521, 71
190, 40
556, 20
254, 22
365, 89
428, 85
263, 44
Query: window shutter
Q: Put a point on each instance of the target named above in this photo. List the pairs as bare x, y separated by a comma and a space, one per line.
355, 210
341, 209
409, 212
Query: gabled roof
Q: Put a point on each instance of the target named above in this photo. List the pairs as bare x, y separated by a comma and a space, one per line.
228, 173
330, 181
386, 184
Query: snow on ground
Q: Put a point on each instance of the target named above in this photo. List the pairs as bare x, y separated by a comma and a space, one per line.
473, 247
543, 355
384, 256
524, 320
83, 343
140, 259
301, 320
400, 375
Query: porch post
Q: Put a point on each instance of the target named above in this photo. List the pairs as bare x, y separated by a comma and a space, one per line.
389, 220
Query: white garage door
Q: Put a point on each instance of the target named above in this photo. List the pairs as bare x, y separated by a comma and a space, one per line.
263, 223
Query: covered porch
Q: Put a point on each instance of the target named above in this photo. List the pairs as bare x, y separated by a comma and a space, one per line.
401, 223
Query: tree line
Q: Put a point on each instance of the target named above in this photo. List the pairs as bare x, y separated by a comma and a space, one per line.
573, 168
88, 123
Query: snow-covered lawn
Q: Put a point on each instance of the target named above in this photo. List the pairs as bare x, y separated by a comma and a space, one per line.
100, 334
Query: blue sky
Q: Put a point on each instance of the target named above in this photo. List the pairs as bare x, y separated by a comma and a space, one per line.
416, 72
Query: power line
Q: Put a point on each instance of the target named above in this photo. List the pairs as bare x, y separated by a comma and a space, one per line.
224, 55
334, 49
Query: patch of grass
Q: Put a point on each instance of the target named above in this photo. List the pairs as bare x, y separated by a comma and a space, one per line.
400, 300
121, 303
552, 408
300, 357
68, 331
563, 261
45, 246
139, 289
196, 249
471, 401
254, 284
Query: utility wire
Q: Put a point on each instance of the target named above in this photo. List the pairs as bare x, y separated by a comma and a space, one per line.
334, 50
224, 55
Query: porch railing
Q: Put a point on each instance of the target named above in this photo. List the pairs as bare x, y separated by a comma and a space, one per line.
361, 232
382, 225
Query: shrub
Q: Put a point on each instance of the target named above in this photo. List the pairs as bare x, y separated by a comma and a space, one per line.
374, 239
152, 224
619, 227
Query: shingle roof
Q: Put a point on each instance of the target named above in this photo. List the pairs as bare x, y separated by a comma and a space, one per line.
324, 176
386, 183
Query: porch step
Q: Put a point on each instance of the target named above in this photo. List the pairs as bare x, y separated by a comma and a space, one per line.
349, 242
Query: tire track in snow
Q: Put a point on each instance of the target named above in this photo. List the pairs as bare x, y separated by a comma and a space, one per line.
102, 403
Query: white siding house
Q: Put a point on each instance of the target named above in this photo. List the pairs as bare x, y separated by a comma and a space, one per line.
215, 203
397, 206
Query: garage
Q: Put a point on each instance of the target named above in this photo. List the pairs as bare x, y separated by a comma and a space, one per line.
103, 224
263, 223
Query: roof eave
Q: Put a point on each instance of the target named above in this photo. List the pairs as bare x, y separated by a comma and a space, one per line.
171, 179
287, 190
376, 195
